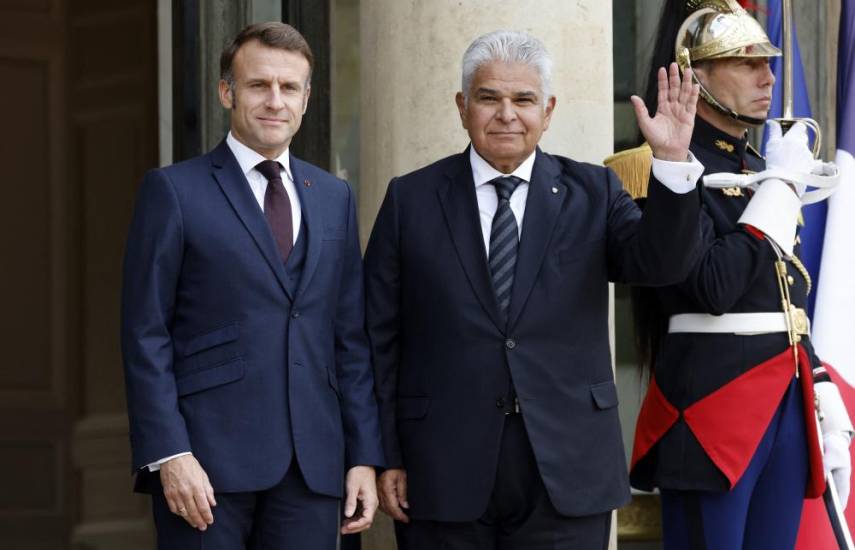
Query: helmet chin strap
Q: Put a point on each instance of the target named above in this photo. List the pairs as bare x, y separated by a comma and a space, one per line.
730, 113
684, 61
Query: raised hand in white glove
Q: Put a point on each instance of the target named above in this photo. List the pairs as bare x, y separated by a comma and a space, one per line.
836, 463
790, 152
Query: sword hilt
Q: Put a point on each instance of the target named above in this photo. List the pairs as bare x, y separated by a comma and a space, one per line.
787, 123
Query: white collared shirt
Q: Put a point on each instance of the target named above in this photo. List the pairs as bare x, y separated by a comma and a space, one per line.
249, 159
488, 199
679, 177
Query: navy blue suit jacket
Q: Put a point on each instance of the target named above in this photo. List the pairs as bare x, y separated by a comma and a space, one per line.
228, 357
443, 359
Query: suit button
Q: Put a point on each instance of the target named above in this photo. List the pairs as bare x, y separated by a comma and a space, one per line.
510, 344
500, 403
295, 314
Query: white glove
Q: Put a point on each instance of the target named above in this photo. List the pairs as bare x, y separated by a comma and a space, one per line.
790, 152
836, 463
837, 432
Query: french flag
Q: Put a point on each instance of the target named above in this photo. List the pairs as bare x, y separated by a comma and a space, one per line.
834, 310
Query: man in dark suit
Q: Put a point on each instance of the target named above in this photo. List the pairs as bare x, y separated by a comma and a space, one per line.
487, 305
250, 392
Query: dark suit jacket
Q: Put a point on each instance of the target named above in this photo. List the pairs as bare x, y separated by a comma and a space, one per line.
225, 354
443, 359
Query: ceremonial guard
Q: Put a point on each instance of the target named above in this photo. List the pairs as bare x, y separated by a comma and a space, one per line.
728, 430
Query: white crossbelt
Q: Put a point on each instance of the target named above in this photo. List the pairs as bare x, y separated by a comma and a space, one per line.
825, 178
730, 323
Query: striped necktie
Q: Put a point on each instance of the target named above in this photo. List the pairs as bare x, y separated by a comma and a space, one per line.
504, 241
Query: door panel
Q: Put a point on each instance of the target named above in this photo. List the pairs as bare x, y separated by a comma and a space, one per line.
80, 121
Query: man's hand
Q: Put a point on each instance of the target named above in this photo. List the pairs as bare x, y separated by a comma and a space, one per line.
790, 152
187, 490
837, 433
669, 132
835, 461
392, 487
361, 488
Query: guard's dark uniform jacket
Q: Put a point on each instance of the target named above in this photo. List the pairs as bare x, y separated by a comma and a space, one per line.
712, 395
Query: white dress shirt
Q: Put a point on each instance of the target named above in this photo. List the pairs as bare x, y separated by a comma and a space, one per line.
488, 199
248, 160
679, 177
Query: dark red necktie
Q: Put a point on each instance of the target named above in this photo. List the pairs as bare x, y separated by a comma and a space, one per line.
277, 207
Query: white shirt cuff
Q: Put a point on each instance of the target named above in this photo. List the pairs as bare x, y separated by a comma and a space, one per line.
679, 177
774, 210
155, 466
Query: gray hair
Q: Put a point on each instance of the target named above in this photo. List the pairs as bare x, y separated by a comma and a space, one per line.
508, 47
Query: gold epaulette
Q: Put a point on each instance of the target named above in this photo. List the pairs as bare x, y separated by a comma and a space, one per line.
632, 166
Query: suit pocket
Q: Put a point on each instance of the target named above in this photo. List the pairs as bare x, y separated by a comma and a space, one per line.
605, 395
412, 408
208, 340
209, 378
578, 252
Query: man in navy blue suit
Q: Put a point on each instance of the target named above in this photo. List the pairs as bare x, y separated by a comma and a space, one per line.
487, 307
250, 391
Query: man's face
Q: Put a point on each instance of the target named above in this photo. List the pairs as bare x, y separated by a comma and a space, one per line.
269, 97
743, 84
505, 114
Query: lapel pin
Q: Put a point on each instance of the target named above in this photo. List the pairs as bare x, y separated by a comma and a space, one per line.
307, 183
554, 190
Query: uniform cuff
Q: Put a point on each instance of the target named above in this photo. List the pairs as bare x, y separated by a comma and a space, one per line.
679, 177
774, 210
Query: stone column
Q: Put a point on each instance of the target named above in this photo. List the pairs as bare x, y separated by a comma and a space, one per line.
411, 52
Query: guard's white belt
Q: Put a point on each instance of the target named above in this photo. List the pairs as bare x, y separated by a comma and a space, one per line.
729, 323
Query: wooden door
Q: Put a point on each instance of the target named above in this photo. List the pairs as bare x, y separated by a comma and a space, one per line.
79, 99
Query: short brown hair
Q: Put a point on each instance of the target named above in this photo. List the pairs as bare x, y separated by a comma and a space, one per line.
272, 34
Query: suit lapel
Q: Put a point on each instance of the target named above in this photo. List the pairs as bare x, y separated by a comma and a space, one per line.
312, 221
541, 213
460, 208
227, 173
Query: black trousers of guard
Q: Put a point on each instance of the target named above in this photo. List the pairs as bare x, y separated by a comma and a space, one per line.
519, 515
